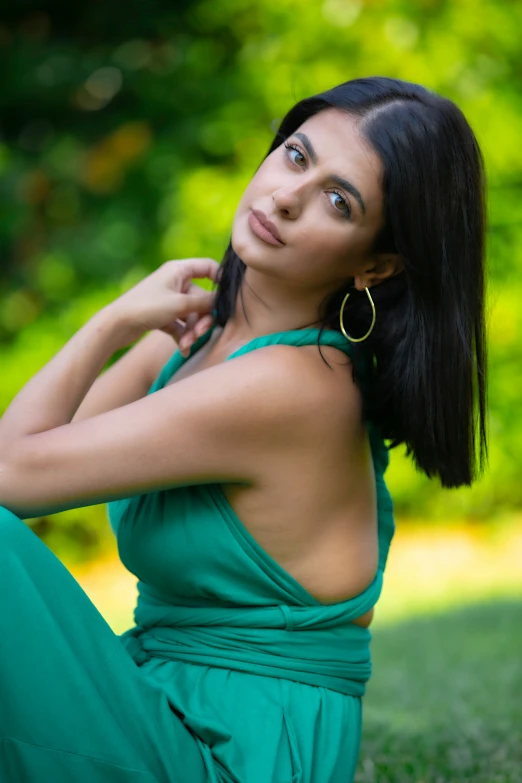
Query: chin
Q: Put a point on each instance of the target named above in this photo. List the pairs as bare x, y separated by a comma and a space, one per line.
248, 255
246, 246
252, 251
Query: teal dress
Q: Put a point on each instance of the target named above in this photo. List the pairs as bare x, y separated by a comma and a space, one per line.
232, 673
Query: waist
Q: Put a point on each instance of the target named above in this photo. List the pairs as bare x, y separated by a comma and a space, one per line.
311, 645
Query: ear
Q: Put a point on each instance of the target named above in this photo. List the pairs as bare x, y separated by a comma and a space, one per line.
380, 267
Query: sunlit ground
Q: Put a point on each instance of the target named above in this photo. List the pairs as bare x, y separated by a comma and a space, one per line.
444, 704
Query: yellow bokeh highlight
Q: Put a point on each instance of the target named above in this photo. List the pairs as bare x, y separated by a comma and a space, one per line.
105, 164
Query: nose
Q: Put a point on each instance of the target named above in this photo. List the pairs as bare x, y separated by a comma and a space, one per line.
287, 202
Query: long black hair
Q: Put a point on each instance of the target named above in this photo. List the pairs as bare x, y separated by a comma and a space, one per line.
426, 358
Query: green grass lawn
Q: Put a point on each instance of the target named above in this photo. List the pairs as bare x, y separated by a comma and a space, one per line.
445, 700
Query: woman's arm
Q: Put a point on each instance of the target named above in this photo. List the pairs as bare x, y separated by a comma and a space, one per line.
53, 395
220, 425
130, 378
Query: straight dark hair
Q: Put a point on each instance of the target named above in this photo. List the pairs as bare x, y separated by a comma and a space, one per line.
425, 360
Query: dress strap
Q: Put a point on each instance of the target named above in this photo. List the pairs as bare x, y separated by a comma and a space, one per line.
290, 337
298, 337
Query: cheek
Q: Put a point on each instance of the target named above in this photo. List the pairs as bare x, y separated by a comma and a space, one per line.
252, 193
327, 237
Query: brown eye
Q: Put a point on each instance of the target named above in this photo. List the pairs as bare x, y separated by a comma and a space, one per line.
299, 159
339, 203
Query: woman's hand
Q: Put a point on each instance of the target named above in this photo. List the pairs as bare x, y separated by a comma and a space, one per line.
168, 300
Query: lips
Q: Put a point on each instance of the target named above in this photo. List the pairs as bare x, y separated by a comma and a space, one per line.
263, 219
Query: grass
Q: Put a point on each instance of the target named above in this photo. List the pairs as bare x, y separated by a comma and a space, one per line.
444, 704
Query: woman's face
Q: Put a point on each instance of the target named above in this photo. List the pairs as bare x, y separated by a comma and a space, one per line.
321, 190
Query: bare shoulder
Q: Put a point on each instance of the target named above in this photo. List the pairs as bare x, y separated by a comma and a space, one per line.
313, 394
332, 372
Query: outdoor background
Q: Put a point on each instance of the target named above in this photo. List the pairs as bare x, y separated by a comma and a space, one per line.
127, 134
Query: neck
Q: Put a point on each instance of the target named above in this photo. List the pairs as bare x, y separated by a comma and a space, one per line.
264, 306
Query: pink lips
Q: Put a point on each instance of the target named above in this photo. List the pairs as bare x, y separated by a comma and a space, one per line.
264, 228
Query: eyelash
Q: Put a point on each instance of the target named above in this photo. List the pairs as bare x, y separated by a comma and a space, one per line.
347, 212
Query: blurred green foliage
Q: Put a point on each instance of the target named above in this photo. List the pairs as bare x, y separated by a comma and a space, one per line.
128, 134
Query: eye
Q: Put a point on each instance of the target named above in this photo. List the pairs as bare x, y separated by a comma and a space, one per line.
297, 157
290, 148
342, 205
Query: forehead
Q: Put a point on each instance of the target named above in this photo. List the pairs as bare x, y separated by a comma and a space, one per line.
342, 150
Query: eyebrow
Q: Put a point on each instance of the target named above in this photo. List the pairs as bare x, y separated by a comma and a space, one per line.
343, 183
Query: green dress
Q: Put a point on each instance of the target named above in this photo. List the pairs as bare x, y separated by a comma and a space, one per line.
232, 672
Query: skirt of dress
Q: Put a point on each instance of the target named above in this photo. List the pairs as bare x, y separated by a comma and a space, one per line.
74, 707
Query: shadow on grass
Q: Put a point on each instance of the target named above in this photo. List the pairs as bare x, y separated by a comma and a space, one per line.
444, 704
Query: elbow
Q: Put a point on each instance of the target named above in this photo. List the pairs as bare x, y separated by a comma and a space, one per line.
16, 485
10, 496
28, 485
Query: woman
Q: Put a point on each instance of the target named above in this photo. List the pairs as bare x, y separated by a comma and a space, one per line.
248, 496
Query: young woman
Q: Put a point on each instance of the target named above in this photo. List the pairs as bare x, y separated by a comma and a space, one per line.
245, 471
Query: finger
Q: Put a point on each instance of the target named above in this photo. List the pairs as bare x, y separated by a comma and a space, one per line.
201, 303
199, 267
205, 267
191, 321
196, 327
187, 328
203, 325
170, 330
194, 289
176, 329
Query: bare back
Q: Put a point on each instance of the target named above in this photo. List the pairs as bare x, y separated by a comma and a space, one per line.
316, 515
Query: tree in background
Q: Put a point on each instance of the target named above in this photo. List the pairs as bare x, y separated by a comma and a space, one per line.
127, 134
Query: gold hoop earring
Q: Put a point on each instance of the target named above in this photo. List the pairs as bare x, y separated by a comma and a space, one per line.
356, 339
